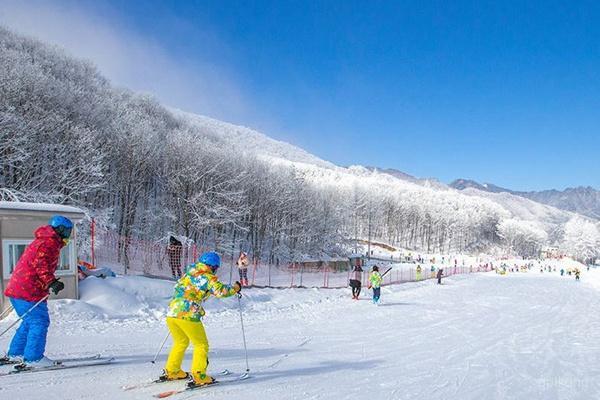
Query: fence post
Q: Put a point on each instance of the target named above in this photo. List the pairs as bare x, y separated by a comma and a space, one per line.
93, 241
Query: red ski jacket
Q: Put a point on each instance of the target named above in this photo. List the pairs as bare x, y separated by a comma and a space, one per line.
35, 269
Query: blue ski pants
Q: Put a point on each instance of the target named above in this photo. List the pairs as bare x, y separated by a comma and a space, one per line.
376, 294
30, 339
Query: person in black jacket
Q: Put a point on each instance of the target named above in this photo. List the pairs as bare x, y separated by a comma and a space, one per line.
356, 281
174, 251
440, 273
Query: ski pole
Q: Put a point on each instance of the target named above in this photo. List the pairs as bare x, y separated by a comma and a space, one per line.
161, 347
24, 315
388, 270
6, 312
243, 333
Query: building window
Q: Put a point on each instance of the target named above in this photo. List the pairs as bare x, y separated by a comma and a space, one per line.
12, 250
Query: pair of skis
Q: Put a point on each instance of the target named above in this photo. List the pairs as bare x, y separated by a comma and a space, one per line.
223, 377
64, 363
225, 372
228, 379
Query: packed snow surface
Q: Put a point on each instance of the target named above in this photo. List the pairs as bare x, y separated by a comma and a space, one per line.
482, 336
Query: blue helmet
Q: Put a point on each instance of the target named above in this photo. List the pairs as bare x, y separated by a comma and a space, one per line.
211, 259
62, 226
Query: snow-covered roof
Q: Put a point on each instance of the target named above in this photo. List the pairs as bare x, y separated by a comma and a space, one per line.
43, 207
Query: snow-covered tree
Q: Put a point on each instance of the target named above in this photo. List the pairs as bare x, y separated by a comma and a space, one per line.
582, 239
522, 237
68, 136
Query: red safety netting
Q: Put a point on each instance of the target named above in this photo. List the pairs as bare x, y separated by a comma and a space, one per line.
126, 255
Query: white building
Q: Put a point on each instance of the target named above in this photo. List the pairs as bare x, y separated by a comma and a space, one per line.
18, 221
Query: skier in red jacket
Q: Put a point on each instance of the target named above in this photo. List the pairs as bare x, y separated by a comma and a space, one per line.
30, 283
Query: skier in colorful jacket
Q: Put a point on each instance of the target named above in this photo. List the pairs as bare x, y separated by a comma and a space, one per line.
375, 280
31, 281
184, 318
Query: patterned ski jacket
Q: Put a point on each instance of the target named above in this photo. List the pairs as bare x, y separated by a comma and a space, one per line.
36, 267
375, 279
196, 285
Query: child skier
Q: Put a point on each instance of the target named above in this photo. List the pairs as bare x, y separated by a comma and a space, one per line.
577, 272
242, 264
375, 283
356, 281
32, 280
184, 318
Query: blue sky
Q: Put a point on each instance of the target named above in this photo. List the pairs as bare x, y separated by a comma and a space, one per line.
502, 92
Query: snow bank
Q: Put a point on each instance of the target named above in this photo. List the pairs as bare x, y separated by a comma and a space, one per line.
142, 298
118, 298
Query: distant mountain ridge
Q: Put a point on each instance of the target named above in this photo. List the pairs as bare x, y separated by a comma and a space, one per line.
583, 200
426, 182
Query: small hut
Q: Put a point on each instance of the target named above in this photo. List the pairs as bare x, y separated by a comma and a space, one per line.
18, 221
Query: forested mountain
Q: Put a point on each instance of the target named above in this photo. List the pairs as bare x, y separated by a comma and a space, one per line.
142, 169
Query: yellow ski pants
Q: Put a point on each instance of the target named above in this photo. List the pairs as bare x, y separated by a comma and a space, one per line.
183, 332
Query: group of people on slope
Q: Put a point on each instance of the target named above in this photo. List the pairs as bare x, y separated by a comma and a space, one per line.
174, 252
33, 279
375, 281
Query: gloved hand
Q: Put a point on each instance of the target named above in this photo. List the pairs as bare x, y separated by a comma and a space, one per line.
56, 286
237, 286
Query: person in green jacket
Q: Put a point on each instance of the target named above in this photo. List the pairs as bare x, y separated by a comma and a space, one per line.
375, 284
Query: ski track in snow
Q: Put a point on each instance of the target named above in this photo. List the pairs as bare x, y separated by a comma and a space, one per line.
484, 336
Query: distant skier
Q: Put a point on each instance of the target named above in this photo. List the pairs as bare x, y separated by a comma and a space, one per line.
174, 251
562, 272
375, 283
440, 273
432, 271
31, 281
184, 318
356, 281
577, 273
419, 270
242, 264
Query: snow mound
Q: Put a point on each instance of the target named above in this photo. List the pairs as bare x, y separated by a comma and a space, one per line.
118, 298
142, 298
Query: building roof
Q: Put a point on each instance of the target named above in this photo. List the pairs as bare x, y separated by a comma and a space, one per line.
18, 208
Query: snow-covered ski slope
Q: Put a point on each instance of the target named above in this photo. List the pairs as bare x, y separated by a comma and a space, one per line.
484, 336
